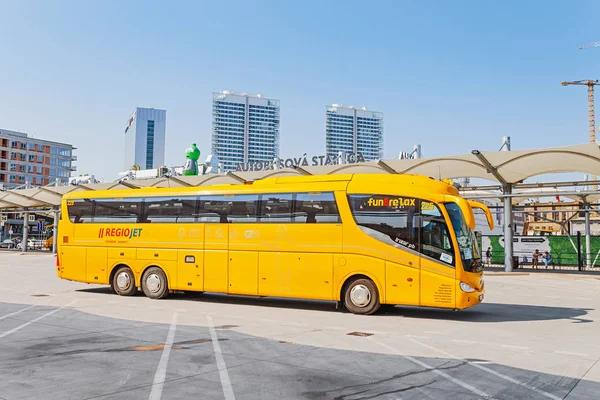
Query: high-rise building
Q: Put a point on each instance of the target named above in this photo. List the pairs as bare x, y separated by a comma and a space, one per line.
145, 138
354, 130
245, 129
36, 162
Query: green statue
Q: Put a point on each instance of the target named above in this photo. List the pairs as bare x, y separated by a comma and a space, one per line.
191, 165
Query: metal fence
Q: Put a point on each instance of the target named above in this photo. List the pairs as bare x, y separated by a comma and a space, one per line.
559, 259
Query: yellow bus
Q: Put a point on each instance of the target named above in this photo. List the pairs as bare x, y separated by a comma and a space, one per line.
363, 240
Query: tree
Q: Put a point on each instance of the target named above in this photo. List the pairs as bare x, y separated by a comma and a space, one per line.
135, 167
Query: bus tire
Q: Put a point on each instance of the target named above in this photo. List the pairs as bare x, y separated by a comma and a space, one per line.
123, 282
361, 297
154, 283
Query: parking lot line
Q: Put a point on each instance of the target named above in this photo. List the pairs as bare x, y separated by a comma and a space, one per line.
25, 309
435, 371
3, 335
17, 312
491, 371
161, 370
223, 374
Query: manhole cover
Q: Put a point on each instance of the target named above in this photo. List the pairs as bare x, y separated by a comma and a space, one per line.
40, 295
360, 334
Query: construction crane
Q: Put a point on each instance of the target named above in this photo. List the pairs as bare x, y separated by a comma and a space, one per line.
591, 115
592, 119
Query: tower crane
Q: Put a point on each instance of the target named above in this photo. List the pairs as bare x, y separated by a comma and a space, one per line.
590, 84
592, 119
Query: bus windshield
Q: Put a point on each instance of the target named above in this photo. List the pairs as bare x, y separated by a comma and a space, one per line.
467, 244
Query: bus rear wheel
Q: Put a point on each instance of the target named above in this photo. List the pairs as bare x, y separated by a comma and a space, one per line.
361, 297
123, 282
154, 283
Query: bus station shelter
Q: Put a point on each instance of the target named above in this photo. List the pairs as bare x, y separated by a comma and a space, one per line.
506, 170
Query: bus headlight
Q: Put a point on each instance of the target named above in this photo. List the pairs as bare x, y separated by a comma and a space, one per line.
466, 288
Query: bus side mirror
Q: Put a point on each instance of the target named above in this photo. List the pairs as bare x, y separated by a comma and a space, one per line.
483, 207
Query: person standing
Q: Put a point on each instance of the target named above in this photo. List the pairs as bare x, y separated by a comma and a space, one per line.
536, 256
488, 256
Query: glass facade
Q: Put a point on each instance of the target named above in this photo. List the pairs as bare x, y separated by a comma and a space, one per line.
245, 129
150, 145
354, 130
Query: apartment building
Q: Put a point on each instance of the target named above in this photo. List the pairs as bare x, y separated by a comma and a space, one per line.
30, 161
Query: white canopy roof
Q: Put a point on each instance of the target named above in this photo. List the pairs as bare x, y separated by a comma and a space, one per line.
503, 167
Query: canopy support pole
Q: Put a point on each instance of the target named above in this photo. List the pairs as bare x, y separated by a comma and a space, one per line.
508, 233
55, 231
25, 230
588, 240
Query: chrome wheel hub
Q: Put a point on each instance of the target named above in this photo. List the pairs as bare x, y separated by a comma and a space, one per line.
123, 281
360, 295
153, 283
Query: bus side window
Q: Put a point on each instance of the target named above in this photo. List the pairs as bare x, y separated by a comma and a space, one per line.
435, 236
276, 208
243, 209
81, 211
118, 210
169, 210
318, 207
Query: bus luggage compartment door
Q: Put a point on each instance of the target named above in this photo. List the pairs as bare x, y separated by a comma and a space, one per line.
243, 272
216, 258
190, 270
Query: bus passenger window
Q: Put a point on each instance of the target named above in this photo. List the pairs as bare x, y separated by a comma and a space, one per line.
228, 208
80, 211
213, 209
243, 208
170, 210
315, 207
123, 210
276, 208
387, 218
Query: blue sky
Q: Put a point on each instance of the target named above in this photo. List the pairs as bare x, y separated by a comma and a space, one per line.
453, 76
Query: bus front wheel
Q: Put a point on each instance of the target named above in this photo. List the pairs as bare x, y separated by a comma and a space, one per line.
123, 282
361, 297
154, 283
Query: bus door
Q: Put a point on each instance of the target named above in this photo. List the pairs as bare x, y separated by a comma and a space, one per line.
386, 244
438, 272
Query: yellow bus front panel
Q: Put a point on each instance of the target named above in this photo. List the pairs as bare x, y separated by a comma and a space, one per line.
438, 287
469, 299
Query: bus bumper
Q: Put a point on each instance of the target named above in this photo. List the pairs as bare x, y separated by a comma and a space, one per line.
466, 300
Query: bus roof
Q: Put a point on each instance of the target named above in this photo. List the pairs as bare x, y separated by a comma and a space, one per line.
285, 183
